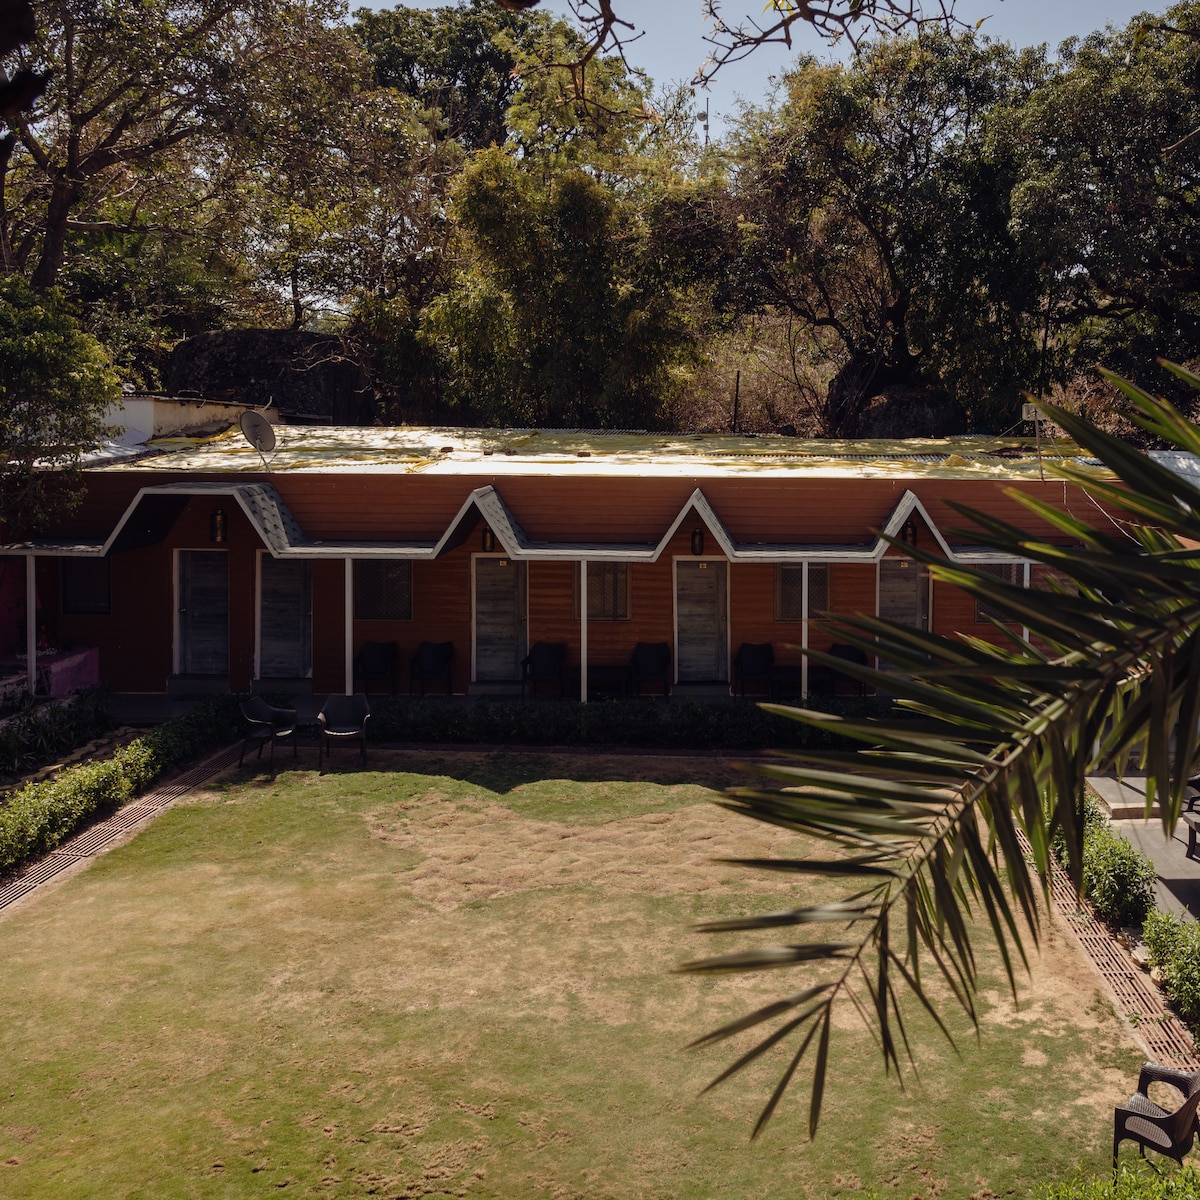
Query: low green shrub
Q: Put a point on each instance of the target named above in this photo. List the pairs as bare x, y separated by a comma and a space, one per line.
39, 816
681, 724
1118, 879
1174, 946
1134, 1181
39, 731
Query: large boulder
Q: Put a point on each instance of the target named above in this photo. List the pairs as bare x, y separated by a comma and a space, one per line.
912, 412
307, 376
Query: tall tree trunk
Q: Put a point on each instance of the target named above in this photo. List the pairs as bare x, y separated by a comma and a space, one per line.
7, 261
54, 243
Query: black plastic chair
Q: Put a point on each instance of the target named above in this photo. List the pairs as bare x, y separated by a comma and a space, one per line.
432, 661
754, 663
343, 719
850, 654
546, 662
650, 663
1142, 1121
377, 660
267, 724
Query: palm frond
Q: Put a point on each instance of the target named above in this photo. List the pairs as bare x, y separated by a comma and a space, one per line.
945, 819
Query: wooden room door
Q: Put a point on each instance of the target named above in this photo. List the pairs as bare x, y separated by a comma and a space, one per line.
203, 612
701, 621
499, 619
284, 618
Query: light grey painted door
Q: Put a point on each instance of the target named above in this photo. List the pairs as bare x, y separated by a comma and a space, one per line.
702, 647
204, 612
499, 619
904, 592
285, 619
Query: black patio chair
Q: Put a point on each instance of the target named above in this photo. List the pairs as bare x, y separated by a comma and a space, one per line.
432, 661
850, 654
650, 663
343, 719
1142, 1121
546, 662
754, 663
377, 660
267, 724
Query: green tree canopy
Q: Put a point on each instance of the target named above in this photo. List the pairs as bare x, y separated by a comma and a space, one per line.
55, 386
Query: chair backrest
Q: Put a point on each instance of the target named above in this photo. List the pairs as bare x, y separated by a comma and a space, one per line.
852, 654
257, 711
378, 658
546, 659
344, 711
432, 658
754, 658
651, 658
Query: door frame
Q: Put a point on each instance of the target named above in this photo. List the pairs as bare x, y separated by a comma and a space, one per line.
522, 609
176, 624
258, 562
699, 558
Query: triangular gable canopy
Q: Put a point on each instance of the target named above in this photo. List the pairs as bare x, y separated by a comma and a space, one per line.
154, 510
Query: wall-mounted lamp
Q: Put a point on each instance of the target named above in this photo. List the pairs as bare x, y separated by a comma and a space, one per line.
909, 534
697, 540
217, 526
488, 541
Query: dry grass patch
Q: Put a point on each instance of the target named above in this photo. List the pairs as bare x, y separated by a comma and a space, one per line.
449, 976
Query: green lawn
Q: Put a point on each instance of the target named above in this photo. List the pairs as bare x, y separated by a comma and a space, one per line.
448, 975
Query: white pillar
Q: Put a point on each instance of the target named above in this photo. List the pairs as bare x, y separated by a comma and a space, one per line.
804, 631
1025, 583
349, 640
31, 630
583, 630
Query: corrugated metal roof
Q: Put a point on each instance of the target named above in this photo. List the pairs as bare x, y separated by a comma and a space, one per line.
453, 451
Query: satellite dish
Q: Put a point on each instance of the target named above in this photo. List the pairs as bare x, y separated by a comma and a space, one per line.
257, 430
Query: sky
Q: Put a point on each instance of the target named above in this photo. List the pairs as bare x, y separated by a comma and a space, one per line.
672, 44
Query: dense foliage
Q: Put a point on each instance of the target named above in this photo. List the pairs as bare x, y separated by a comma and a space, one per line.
509, 226
39, 731
39, 816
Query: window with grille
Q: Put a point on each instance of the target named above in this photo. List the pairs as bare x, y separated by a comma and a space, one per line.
86, 586
789, 592
1013, 573
382, 589
608, 592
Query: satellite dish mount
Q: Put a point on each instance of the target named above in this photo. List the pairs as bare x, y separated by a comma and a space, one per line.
259, 432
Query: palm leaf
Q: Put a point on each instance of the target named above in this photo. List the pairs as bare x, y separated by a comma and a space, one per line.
946, 816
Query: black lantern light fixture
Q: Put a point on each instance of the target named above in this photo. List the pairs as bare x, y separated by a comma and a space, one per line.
909, 534
217, 527
697, 540
488, 540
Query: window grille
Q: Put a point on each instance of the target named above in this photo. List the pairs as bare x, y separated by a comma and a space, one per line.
608, 592
1013, 573
382, 589
789, 592
86, 586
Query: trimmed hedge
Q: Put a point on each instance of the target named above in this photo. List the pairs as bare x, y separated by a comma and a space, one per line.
681, 724
1133, 1182
1174, 946
39, 732
39, 816
1118, 879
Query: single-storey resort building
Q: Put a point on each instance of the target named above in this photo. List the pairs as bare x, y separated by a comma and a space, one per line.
200, 564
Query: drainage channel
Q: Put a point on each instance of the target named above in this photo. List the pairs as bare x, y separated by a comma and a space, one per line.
1136, 997
94, 839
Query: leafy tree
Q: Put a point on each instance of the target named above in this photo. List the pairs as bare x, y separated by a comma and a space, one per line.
1106, 199
873, 212
459, 63
945, 825
55, 385
131, 85
564, 319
